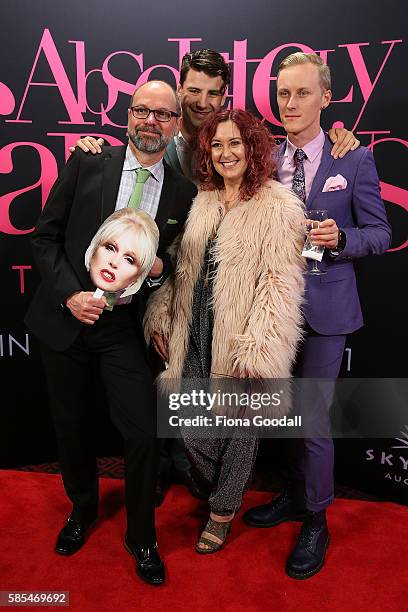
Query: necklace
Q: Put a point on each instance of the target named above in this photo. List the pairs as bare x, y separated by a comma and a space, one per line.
231, 202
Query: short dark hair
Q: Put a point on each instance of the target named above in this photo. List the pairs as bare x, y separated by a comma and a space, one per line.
208, 61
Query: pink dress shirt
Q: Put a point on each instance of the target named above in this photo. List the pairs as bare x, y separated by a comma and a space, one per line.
313, 150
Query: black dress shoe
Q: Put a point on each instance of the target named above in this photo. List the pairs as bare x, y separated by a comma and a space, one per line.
307, 557
194, 487
284, 508
72, 537
149, 566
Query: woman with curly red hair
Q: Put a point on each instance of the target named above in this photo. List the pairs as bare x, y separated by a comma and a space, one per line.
232, 308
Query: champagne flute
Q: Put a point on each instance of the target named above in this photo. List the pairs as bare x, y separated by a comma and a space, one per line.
313, 220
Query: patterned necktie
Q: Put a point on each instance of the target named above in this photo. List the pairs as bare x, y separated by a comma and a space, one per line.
298, 184
141, 177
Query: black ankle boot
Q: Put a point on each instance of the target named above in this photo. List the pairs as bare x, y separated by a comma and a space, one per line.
285, 507
307, 557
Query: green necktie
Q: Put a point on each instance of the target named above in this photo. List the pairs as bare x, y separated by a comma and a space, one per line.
111, 299
141, 177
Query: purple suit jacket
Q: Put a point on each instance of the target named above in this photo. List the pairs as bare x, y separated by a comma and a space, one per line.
332, 305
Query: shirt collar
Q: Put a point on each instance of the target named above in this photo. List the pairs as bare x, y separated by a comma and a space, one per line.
312, 148
132, 163
182, 141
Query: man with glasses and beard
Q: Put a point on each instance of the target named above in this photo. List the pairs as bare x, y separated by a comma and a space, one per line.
204, 77
75, 328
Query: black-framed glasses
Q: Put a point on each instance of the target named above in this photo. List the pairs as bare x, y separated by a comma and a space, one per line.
160, 114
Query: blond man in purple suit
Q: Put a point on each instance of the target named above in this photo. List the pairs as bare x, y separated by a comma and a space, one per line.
348, 189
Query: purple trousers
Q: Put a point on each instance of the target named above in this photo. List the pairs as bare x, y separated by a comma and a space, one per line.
312, 458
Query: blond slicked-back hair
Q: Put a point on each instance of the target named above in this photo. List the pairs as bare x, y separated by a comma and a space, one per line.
296, 59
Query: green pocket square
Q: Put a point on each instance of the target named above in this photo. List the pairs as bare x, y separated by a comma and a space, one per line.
172, 221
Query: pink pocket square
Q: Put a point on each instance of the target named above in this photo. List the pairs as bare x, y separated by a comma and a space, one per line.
335, 183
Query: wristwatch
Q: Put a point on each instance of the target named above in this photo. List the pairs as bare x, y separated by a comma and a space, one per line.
341, 243
152, 283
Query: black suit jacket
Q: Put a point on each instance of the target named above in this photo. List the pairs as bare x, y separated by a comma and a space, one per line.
83, 196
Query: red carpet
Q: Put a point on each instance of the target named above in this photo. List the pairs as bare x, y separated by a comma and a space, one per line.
365, 568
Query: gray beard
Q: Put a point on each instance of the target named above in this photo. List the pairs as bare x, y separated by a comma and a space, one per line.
148, 145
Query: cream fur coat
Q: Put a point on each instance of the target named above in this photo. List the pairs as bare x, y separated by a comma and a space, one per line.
258, 287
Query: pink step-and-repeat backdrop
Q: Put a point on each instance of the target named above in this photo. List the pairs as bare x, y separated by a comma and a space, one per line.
68, 70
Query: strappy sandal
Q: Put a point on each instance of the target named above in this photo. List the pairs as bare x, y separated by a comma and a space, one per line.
213, 529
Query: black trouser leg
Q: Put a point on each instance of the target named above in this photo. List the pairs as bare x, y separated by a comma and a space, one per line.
129, 387
67, 383
141, 456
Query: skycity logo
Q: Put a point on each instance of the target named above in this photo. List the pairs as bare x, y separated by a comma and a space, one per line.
399, 463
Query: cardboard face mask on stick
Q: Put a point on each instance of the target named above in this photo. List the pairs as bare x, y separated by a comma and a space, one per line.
121, 253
